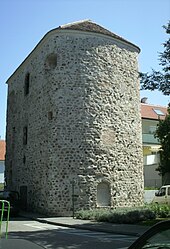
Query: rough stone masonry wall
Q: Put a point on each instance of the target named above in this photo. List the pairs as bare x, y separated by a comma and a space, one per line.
83, 123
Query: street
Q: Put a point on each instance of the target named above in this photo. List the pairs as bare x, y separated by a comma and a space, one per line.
58, 237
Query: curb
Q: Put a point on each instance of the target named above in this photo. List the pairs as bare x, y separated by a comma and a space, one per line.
83, 227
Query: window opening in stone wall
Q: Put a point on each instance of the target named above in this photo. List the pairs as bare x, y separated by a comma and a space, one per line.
23, 197
13, 137
103, 194
50, 115
25, 135
13, 130
27, 84
51, 61
10, 176
24, 159
9, 180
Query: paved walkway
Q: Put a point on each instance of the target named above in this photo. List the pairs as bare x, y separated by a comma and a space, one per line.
126, 229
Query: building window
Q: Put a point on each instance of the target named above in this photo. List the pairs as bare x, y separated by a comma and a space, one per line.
10, 175
13, 136
25, 135
23, 197
50, 115
51, 61
159, 112
24, 159
27, 84
103, 194
152, 129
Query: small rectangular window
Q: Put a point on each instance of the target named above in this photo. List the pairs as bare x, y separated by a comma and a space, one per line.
25, 135
24, 159
13, 136
159, 112
27, 84
50, 115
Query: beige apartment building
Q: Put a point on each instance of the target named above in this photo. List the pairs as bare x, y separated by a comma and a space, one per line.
150, 118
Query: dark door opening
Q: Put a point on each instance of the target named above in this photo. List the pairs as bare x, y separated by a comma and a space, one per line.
23, 197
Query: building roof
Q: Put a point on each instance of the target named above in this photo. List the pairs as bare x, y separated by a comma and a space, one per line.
83, 25
2, 150
89, 26
153, 111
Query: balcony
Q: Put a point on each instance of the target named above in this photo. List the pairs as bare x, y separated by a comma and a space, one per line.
149, 139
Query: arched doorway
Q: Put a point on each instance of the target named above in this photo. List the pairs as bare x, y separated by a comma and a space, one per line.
103, 194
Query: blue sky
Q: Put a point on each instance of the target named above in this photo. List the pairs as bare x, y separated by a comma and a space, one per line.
24, 23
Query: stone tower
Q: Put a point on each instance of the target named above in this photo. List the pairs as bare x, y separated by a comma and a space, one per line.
73, 122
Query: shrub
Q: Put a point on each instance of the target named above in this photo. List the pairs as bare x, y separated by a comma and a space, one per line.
128, 216
84, 215
161, 211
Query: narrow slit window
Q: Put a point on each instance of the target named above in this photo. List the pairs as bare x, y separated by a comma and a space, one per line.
27, 84
50, 115
24, 159
25, 135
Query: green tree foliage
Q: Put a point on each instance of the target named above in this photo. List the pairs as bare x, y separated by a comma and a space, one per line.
163, 134
159, 80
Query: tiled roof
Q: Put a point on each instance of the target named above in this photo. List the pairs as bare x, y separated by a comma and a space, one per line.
89, 26
153, 111
2, 150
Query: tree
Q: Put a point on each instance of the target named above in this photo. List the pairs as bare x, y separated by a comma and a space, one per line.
159, 80
163, 134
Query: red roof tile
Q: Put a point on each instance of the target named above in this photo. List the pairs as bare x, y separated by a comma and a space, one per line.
2, 150
149, 111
